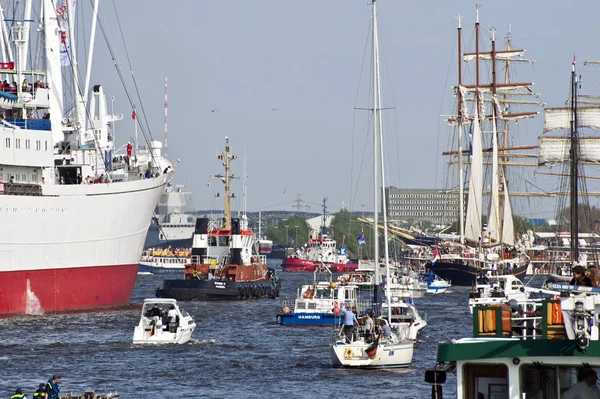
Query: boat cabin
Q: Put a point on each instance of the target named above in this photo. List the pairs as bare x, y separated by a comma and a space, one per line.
539, 348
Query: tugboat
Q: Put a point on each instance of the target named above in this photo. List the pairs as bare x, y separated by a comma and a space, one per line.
225, 258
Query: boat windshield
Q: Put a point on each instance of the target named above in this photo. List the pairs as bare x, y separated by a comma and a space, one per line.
541, 380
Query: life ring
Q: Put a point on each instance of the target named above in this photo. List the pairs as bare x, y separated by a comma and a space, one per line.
195, 274
336, 307
348, 354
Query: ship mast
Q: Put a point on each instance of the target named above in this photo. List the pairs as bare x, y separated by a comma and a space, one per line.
226, 179
574, 172
461, 183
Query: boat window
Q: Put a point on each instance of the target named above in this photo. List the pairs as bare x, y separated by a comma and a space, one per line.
571, 375
212, 241
223, 241
538, 381
489, 380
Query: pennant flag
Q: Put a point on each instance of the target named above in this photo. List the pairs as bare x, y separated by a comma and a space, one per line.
133, 114
361, 239
372, 350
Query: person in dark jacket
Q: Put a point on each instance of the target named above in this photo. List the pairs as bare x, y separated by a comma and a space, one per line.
18, 394
52, 387
579, 277
40, 393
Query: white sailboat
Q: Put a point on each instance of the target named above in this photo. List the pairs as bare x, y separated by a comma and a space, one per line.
364, 350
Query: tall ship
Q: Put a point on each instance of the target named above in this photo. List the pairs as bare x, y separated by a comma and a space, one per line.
482, 152
319, 250
75, 212
225, 263
171, 226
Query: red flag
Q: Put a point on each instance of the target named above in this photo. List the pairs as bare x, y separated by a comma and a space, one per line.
133, 114
7, 65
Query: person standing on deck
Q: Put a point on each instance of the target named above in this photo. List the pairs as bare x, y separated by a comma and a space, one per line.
349, 322
52, 387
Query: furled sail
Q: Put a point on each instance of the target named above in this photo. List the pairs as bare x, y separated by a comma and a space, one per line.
560, 118
475, 200
508, 226
494, 214
556, 150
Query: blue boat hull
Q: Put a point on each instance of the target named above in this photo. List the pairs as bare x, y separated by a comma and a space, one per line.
308, 319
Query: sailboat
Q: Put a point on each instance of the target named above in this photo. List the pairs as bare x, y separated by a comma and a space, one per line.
485, 246
572, 151
364, 350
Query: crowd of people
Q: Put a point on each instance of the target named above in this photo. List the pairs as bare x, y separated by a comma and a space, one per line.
25, 86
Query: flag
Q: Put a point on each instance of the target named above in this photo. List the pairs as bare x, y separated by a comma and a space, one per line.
7, 65
133, 114
361, 239
371, 351
436, 255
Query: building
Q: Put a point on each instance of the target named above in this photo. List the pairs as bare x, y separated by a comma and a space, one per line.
421, 205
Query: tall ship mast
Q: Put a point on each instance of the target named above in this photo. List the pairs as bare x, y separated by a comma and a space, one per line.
483, 114
75, 210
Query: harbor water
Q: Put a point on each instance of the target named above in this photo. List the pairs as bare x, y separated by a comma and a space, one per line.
237, 351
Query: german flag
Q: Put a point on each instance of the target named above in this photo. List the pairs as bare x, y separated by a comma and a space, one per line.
372, 350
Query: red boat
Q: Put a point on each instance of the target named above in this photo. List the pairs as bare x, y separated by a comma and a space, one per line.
294, 264
317, 251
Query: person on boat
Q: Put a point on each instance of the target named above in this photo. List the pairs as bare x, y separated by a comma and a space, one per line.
40, 393
155, 311
172, 316
386, 331
369, 325
18, 394
592, 274
52, 387
579, 277
586, 388
349, 322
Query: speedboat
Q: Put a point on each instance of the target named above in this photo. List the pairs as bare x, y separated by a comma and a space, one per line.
156, 328
435, 284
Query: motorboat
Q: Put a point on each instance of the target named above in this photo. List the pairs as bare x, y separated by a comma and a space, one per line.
157, 326
319, 303
404, 314
435, 284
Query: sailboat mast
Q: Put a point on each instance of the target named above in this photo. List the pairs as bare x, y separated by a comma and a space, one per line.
574, 172
461, 182
375, 68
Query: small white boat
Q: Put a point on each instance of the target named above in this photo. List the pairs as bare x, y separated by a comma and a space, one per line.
163, 322
405, 316
435, 284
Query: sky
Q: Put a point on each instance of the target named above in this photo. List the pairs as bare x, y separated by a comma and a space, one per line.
283, 80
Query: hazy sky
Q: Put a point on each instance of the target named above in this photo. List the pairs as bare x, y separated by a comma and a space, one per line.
282, 79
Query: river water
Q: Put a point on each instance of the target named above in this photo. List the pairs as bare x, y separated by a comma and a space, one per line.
237, 351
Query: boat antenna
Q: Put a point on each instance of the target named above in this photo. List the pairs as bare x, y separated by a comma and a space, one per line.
166, 116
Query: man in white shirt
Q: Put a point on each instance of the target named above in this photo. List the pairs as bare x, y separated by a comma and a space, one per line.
585, 389
172, 316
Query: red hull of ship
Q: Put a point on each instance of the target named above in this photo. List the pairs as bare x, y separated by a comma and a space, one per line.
66, 289
299, 265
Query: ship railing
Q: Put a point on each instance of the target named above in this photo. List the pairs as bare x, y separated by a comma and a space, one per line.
26, 189
527, 319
